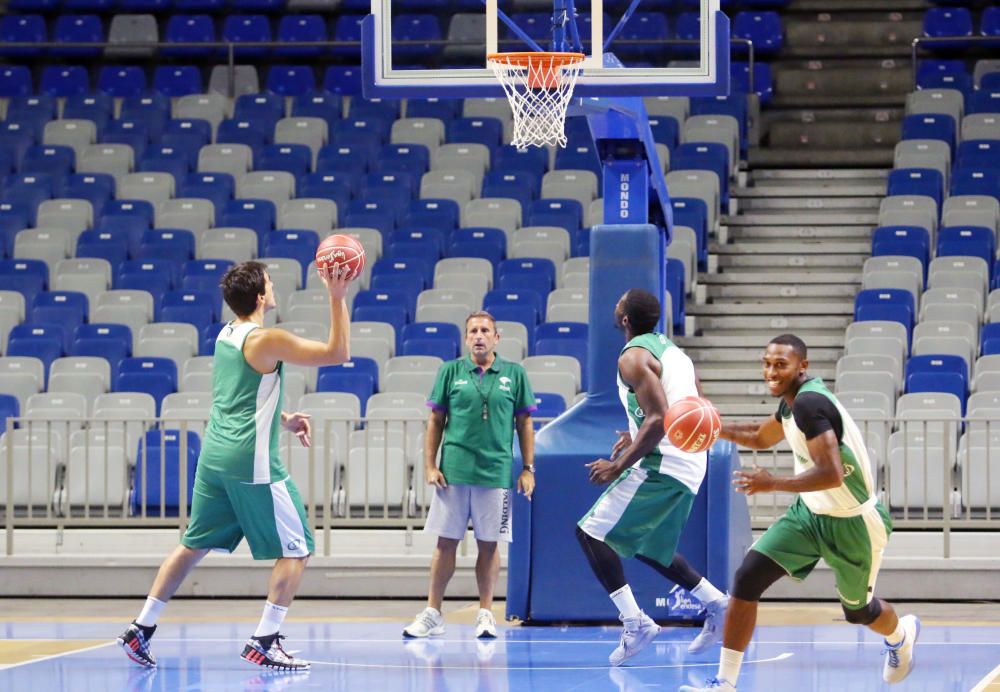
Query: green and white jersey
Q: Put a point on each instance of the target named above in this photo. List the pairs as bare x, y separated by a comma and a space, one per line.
241, 440
678, 380
857, 490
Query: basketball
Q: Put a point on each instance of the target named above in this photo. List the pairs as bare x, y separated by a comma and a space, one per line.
341, 249
692, 424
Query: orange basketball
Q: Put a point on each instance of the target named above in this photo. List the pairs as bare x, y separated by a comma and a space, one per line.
692, 424
342, 249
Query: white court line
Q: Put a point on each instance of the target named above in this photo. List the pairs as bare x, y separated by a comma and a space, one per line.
990, 678
713, 664
508, 642
8, 666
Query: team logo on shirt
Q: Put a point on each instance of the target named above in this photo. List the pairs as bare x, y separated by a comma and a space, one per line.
639, 413
459, 383
504, 384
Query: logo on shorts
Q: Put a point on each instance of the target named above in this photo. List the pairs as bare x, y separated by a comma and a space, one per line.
293, 545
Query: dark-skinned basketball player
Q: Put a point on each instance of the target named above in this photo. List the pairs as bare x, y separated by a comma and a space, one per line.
836, 515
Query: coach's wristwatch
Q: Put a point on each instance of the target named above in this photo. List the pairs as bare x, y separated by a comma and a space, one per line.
530, 468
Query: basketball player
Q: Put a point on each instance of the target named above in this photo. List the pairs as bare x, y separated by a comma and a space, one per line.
836, 516
241, 488
653, 483
476, 404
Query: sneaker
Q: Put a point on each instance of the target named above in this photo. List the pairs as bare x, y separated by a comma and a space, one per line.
135, 641
486, 625
637, 634
899, 658
710, 684
711, 631
268, 653
428, 623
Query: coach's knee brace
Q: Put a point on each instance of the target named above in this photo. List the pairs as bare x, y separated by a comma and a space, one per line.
863, 616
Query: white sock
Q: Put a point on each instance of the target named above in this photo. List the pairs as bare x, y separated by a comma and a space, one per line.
625, 601
706, 592
897, 635
150, 612
270, 619
729, 665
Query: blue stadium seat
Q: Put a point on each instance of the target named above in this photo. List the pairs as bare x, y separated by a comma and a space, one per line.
66, 308
969, 241
154, 275
112, 342
291, 80
385, 299
488, 131
175, 160
294, 244
344, 158
256, 134
344, 80
301, 27
122, 81
155, 376
107, 245
258, 214
22, 28
533, 160
242, 28
986, 100
442, 109
676, 282
912, 241
204, 275
480, 241
54, 161
666, 130
442, 214
416, 27
548, 406
130, 216
565, 213
734, 105
580, 156
332, 186
930, 126
763, 81
9, 408
411, 159
563, 339
693, 213
990, 339
317, 104
406, 242
938, 373
194, 307
96, 107
537, 25
395, 315
33, 110
942, 22
28, 277
976, 181
406, 265
642, 26
704, 156
29, 189
917, 181
190, 28
96, 188
520, 185
537, 275
441, 339
163, 447
259, 107
77, 28
366, 132
291, 158
347, 28
15, 80
763, 28
15, 138
890, 304
258, 5
989, 21
130, 131
390, 187
175, 81
174, 244
43, 340
13, 220
198, 5
941, 80
65, 80
358, 376
150, 6
208, 335
218, 188
521, 306
368, 214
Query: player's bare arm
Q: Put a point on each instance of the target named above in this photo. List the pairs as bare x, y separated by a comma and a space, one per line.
432, 442
265, 347
757, 435
641, 371
526, 440
827, 471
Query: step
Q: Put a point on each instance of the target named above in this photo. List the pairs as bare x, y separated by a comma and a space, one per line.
789, 322
785, 233
749, 354
808, 259
738, 372
761, 336
814, 217
771, 309
810, 188
853, 203
769, 279
831, 175
800, 247
782, 293
759, 158
839, 115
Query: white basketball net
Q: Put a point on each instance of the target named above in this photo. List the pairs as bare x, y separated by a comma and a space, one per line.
539, 87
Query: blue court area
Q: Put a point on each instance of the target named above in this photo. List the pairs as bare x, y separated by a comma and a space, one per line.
371, 656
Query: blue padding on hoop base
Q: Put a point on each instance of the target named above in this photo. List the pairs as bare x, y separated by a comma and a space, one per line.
548, 577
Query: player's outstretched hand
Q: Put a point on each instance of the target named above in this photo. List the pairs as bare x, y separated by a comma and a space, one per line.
756, 480
603, 471
436, 478
298, 423
526, 484
624, 440
336, 278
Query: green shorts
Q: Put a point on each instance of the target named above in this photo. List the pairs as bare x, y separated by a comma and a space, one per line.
270, 515
852, 546
641, 513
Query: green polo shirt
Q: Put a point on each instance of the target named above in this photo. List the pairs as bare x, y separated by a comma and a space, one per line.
476, 451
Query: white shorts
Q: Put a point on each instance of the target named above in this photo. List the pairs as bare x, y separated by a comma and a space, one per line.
488, 508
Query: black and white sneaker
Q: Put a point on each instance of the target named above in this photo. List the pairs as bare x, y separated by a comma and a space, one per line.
135, 642
268, 653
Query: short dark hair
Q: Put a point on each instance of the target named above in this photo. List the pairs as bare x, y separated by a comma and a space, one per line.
241, 285
642, 309
484, 315
797, 344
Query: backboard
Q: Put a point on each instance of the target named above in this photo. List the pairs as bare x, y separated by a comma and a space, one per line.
655, 51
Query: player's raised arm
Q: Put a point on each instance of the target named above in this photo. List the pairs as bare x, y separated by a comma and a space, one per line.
266, 347
759, 435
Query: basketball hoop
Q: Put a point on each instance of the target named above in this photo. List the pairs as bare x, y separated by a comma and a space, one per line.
539, 86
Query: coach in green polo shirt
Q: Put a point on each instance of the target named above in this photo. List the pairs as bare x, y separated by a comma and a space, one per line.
476, 404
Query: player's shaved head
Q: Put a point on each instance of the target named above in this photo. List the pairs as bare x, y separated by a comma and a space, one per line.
794, 342
642, 309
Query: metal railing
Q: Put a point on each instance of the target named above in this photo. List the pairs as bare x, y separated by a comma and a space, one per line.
921, 41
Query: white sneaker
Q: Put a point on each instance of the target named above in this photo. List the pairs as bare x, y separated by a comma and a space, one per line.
899, 658
486, 625
637, 634
710, 685
711, 631
427, 623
